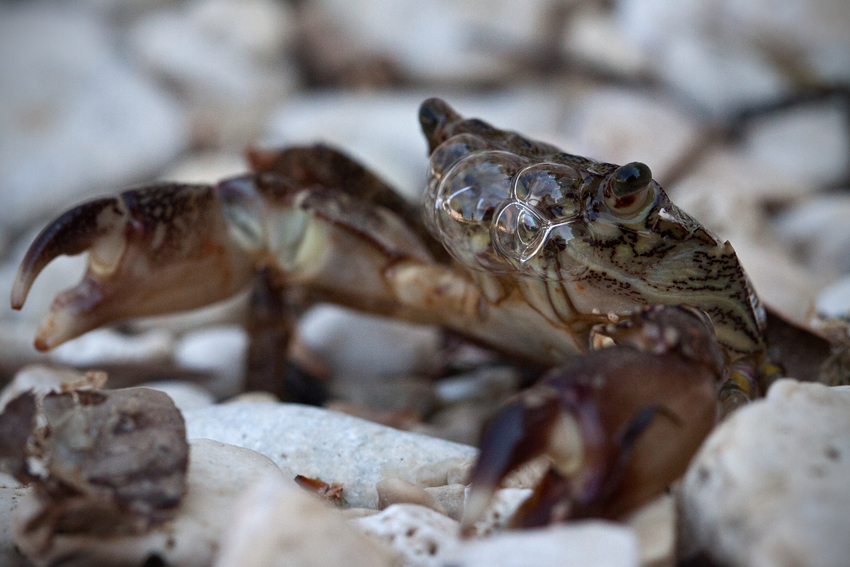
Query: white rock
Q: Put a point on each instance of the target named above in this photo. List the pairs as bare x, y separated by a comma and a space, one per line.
834, 301
444, 41
580, 544
186, 395
205, 167
818, 228
396, 491
220, 350
327, 445
502, 506
218, 475
809, 144
593, 38
105, 346
278, 524
10, 494
383, 132
262, 28
229, 90
655, 526
494, 383
362, 348
450, 497
74, 120
621, 126
421, 535
771, 485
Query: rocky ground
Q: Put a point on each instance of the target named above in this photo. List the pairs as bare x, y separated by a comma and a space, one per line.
741, 109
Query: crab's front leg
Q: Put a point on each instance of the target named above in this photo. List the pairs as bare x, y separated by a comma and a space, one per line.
618, 424
155, 250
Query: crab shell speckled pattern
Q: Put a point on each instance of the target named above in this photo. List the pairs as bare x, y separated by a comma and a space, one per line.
592, 260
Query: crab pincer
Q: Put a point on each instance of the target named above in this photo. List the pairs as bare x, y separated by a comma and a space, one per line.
150, 250
618, 424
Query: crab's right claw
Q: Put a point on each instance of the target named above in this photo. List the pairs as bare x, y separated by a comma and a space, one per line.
151, 250
541, 421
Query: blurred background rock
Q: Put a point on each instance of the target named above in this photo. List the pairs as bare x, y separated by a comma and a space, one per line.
741, 109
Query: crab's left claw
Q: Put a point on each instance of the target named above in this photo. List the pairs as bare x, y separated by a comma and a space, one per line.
151, 250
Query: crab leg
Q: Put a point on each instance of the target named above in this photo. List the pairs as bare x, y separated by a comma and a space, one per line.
167, 248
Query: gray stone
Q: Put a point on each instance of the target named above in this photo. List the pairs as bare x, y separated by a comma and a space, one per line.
818, 230
186, 395
326, 445
10, 493
229, 78
362, 348
106, 346
450, 497
75, 121
445, 42
834, 301
771, 485
219, 350
218, 475
579, 544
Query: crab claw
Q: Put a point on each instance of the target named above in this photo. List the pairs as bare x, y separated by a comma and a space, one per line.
151, 250
618, 424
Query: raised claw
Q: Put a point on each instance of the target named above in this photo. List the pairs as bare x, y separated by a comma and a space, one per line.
151, 250
618, 424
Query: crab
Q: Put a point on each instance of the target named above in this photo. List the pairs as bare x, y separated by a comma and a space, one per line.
522, 247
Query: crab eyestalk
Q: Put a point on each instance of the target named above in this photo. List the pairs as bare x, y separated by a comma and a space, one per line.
151, 250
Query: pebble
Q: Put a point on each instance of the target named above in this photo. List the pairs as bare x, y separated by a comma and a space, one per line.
10, 494
106, 346
502, 506
229, 76
396, 491
834, 301
382, 129
771, 485
434, 41
186, 395
363, 349
326, 445
75, 121
419, 534
655, 527
697, 48
621, 126
450, 497
808, 145
218, 475
818, 230
579, 544
278, 524
593, 38
219, 350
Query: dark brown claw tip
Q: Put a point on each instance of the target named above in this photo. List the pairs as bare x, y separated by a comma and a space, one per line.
72, 233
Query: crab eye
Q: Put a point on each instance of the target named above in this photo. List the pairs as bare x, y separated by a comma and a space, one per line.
628, 188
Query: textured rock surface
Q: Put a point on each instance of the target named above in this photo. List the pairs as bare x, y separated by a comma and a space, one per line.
326, 445
421, 535
278, 524
771, 486
583, 544
218, 475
